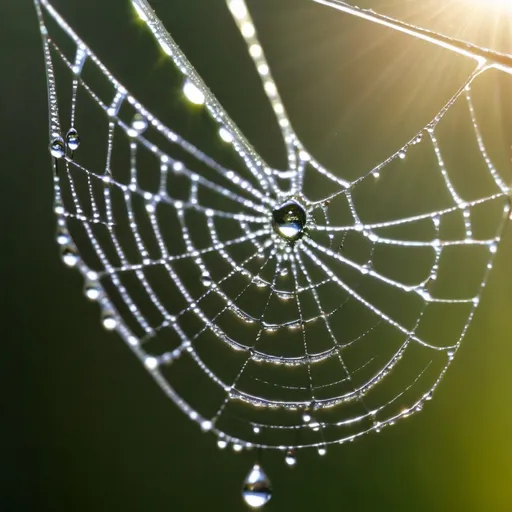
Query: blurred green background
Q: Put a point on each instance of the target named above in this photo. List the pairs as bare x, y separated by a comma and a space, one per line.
84, 427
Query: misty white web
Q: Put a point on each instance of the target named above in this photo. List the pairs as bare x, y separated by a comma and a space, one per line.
222, 294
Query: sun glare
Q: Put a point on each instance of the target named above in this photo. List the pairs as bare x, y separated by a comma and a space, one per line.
505, 6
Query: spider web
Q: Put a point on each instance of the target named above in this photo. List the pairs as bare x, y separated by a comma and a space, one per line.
262, 342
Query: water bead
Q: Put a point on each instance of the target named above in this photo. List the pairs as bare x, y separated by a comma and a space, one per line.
139, 123
256, 490
193, 93
289, 220
72, 139
69, 256
58, 148
291, 458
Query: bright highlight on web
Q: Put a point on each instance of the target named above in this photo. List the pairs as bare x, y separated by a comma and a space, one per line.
274, 319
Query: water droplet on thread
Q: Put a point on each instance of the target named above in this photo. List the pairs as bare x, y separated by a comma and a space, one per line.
58, 148
289, 220
256, 490
109, 321
72, 139
206, 425
62, 236
139, 124
206, 279
193, 93
225, 135
92, 291
69, 256
291, 458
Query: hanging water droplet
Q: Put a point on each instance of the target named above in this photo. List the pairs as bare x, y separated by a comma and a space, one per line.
139, 123
289, 220
256, 429
62, 236
206, 278
58, 148
69, 256
402, 154
193, 93
206, 425
109, 321
225, 134
72, 139
256, 490
451, 355
222, 444
92, 290
428, 396
284, 272
306, 417
322, 451
291, 458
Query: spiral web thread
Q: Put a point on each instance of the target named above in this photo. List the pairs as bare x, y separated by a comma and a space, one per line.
260, 341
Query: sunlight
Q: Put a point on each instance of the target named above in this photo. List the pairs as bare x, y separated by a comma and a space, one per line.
501, 5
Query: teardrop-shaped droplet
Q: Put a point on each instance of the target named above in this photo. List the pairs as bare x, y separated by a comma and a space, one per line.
402, 154
62, 236
289, 220
92, 290
291, 458
193, 93
225, 135
58, 148
206, 279
69, 256
72, 139
109, 321
256, 490
139, 123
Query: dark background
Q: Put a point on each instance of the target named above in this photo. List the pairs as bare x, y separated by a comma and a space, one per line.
83, 426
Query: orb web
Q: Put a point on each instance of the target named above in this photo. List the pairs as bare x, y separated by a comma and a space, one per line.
273, 314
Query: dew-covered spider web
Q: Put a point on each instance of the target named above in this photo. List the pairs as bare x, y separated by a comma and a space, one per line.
277, 308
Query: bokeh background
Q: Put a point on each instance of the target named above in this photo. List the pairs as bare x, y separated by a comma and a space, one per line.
84, 427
